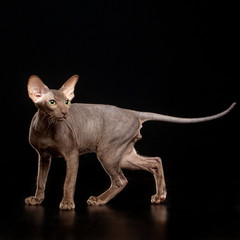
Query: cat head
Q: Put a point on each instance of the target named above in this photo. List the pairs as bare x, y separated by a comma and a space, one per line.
55, 103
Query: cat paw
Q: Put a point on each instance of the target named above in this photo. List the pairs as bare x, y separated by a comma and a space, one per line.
33, 201
158, 199
67, 205
94, 201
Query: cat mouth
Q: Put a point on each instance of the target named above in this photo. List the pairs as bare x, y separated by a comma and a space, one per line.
61, 119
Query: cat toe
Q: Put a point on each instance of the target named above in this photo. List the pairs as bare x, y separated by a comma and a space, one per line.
33, 201
94, 201
156, 199
67, 205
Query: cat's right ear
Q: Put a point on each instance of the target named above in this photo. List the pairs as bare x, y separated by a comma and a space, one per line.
36, 88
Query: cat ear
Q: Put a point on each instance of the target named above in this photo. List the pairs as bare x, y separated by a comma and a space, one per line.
68, 87
36, 88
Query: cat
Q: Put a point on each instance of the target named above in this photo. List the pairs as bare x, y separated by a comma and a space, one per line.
62, 129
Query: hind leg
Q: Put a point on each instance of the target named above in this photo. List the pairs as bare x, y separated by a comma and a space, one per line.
133, 161
118, 181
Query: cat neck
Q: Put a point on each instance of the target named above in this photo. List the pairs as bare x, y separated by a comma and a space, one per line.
44, 122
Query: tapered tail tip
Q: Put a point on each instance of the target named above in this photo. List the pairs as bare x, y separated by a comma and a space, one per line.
232, 106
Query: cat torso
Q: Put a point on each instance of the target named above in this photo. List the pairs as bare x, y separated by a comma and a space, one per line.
88, 128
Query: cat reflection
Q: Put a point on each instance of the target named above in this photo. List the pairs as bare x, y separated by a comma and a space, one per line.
34, 214
117, 224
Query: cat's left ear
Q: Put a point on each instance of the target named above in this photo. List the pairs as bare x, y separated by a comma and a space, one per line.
68, 87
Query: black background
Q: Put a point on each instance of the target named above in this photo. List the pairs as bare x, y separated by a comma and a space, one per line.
172, 58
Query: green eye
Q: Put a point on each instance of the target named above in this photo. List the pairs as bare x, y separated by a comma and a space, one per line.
67, 102
52, 102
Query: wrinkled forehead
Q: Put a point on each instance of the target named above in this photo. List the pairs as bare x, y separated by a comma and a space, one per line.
58, 95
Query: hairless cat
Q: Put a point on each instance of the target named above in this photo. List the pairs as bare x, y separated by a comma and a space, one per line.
62, 129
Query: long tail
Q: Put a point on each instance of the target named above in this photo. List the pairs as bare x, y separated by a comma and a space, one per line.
147, 116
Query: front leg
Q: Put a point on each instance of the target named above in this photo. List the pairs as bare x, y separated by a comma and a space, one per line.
72, 163
44, 162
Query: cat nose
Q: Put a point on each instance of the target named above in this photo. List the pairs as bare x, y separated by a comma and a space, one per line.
64, 113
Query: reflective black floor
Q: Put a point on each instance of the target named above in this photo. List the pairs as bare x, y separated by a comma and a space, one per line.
189, 213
